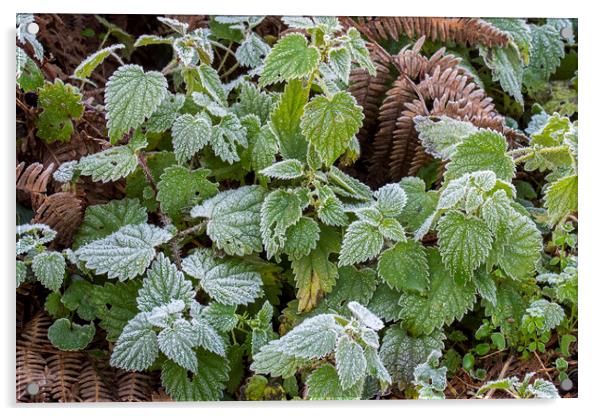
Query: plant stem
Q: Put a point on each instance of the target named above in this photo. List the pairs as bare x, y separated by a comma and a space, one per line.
142, 162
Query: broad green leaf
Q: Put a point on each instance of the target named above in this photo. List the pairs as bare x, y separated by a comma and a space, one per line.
146, 40
330, 209
301, 238
350, 360
509, 307
270, 360
115, 305
227, 281
445, 301
280, 210
233, 219
226, 137
339, 59
330, 123
561, 198
21, 272
360, 53
103, 220
212, 84
263, 149
68, 336
112, 164
251, 51
207, 337
176, 342
49, 268
352, 285
29, 76
222, 317
384, 303
545, 54
323, 384
180, 188
126, 253
551, 312
60, 103
137, 186
390, 200
506, 66
132, 96
251, 100
291, 58
486, 286
190, 134
88, 65
543, 389
392, 230
519, 30
347, 186
78, 297
365, 316
441, 135
166, 114
420, 204
404, 266
285, 121
361, 242
286, 169
464, 241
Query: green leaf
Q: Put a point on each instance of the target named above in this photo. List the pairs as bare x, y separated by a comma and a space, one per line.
103, 220
269, 360
350, 360
360, 53
486, 286
484, 150
401, 352
251, 51
441, 135
146, 40
390, 200
137, 347
68, 336
29, 76
445, 301
339, 60
206, 385
126, 253
59, 103
165, 116
32, 236
285, 121
225, 138
519, 30
286, 169
251, 100
233, 219
291, 58
348, 186
391, 229
212, 84
49, 268
131, 96
330, 123
509, 307
180, 188
228, 281
330, 209
543, 389
384, 303
21, 272
404, 266
464, 241
79, 297
551, 312
280, 210
301, 238
323, 384
561, 198
352, 285
115, 305
420, 204
112, 164
176, 342
190, 134
263, 149
506, 66
222, 317
88, 65
547, 50
361, 242
365, 317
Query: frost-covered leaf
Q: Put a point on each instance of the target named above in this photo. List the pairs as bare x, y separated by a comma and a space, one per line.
352, 285
507, 68
543, 389
324, 384
350, 361
180, 188
115, 305
233, 219
391, 229
228, 281
561, 198
545, 54
365, 316
21, 272
174, 24
431, 379
551, 312
207, 337
290, 58
301, 238
163, 284
165, 115
420, 204
390, 200
49, 268
464, 241
339, 60
280, 210
132, 96
251, 100
112, 164
211, 83
29, 77
484, 150
221, 317
126, 253
384, 303
176, 342
68, 336
270, 360
146, 40
453, 192
103, 220
362, 241
286, 169
446, 301
190, 134
330, 210
359, 52
404, 266
32, 236
193, 48
137, 347
285, 121
65, 172
401, 352
59, 103
348, 186
330, 123
486, 286
226, 137
251, 51
441, 135
207, 385
88, 65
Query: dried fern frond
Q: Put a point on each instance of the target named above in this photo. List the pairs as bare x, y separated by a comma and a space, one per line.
35, 334
462, 30
63, 212
95, 383
31, 375
64, 370
32, 182
161, 396
134, 387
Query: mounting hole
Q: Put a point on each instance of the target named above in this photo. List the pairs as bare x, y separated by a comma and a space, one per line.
33, 389
33, 28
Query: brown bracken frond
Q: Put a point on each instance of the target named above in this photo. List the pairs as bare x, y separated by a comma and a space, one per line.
32, 182
95, 382
134, 387
462, 30
63, 212
65, 368
32, 377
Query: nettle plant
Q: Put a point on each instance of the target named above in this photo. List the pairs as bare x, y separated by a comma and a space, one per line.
236, 190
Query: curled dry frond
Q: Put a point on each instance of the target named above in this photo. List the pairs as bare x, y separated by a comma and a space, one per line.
63, 212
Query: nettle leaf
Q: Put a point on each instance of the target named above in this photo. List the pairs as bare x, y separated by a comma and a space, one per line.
103, 220
486, 286
324, 384
330, 209
176, 342
88, 65
391, 229
551, 312
115, 305
212, 84
404, 266
464, 241
509, 306
362, 241
291, 58
222, 317
446, 301
49, 268
339, 60
206, 385
543, 389
226, 137
29, 77
360, 53
112, 164
301, 238
390, 200
163, 284
251, 100
251, 51
352, 285
347, 186
21, 272
401, 353
285, 121
59, 103
420, 204
68, 336
165, 116
126, 253
263, 149
280, 210
484, 150
330, 123
518, 29
561, 198
32, 236
350, 360
441, 135
132, 96
269, 360
545, 54
206, 336
228, 281
233, 219
286, 169
180, 188
190, 134
365, 316
506, 66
